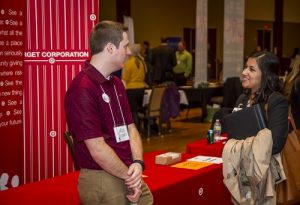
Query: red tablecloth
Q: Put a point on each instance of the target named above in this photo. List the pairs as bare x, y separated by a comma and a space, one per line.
201, 147
61, 190
174, 186
169, 186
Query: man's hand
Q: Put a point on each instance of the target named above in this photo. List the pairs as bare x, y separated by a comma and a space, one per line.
134, 182
135, 176
134, 194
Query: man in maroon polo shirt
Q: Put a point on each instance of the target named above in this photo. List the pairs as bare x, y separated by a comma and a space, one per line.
108, 147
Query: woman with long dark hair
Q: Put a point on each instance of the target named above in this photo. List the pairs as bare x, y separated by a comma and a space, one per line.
262, 85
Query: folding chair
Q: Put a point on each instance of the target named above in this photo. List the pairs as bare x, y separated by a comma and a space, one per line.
153, 109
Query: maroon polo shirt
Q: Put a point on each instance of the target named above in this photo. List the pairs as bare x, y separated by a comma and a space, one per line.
89, 116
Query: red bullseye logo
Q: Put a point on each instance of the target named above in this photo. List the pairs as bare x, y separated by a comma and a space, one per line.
200, 191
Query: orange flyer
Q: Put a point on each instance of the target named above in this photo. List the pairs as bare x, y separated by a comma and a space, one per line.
191, 165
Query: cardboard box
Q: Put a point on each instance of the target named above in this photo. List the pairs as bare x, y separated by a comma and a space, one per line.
167, 158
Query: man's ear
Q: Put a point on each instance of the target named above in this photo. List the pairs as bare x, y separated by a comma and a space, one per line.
110, 47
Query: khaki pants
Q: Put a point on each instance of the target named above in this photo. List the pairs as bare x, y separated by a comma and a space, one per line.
99, 187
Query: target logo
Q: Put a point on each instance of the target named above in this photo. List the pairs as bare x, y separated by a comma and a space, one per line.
93, 17
52, 134
200, 191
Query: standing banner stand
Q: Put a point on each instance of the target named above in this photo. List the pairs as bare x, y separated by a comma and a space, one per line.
45, 44
12, 31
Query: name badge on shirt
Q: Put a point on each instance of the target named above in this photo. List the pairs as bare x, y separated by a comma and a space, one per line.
121, 133
105, 98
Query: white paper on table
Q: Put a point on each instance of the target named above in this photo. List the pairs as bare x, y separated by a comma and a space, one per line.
219, 138
182, 98
200, 158
173, 155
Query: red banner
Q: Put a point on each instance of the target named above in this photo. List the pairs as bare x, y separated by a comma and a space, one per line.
56, 46
12, 31
43, 45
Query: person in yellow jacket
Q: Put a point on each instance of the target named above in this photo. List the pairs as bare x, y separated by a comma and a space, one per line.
133, 77
134, 71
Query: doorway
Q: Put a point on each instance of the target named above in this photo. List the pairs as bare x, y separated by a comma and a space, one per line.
264, 39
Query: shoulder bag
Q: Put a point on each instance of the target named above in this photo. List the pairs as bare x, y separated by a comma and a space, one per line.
288, 191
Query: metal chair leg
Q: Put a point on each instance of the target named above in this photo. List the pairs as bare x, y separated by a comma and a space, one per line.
160, 132
148, 130
187, 113
169, 126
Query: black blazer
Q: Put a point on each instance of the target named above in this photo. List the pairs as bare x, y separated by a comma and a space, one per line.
163, 60
277, 118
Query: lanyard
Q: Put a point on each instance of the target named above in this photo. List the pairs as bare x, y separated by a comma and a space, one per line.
110, 104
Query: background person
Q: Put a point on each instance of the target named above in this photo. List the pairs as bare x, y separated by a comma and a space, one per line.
147, 55
295, 102
163, 60
294, 56
108, 147
291, 78
133, 76
184, 65
294, 97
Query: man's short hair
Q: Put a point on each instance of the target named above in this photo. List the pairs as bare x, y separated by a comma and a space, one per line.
106, 32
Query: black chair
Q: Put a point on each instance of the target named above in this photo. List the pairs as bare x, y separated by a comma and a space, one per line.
69, 140
231, 91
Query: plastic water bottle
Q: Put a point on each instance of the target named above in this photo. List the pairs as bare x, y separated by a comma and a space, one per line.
217, 129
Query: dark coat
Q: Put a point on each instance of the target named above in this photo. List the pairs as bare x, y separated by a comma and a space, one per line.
170, 103
163, 60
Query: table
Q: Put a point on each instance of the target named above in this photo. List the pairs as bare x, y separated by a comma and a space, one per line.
182, 97
169, 186
60, 190
201, 147
183, 186
201, 95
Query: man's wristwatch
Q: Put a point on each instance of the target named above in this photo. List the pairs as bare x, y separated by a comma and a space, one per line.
140, 162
